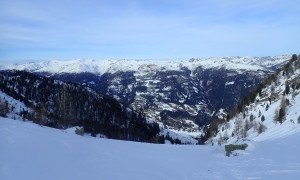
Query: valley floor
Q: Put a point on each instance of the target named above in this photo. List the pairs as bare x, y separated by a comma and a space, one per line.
29, 151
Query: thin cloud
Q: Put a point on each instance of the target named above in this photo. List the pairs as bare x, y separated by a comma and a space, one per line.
147, 29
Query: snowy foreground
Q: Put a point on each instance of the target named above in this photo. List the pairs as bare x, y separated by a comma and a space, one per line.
31, 152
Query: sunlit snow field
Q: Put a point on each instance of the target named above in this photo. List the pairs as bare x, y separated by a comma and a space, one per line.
29, 151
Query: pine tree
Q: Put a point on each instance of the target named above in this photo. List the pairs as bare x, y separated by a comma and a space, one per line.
227, 117
263, 118
287, 89
251, 117
267, 107
261, 128
4, 109
281, 112
281, 115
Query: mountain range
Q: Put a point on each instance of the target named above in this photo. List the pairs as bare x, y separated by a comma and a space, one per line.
181, 96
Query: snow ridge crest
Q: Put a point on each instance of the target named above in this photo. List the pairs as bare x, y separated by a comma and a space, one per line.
111, 66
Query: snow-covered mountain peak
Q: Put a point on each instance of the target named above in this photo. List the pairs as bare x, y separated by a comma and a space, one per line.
103, 66
241, 63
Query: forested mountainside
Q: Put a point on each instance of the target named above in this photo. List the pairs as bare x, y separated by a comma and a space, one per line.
271, 110
181, 95
60, 104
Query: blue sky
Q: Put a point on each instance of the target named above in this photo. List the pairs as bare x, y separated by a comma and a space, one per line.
146, 29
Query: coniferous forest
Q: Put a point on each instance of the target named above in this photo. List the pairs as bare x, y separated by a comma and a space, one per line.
62, 105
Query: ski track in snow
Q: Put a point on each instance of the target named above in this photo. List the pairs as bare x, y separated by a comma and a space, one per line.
29, 151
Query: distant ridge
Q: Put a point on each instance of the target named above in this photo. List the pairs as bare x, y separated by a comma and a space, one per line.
103, 66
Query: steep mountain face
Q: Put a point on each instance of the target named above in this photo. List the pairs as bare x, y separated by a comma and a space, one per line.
181, 95
61, 105
271, 111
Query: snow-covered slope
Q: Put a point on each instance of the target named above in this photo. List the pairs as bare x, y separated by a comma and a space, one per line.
29, 151
111, 66
15, 106
274, 113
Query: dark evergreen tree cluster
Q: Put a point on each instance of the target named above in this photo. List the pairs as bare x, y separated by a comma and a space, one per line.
210, 130
61, 105
263, 118
173, 140
281, 115
4, 108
